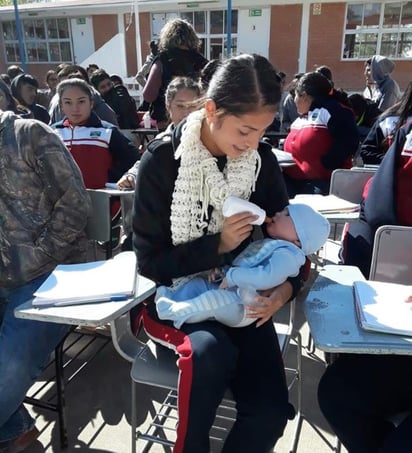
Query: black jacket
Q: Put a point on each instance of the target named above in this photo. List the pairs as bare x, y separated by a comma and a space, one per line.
119, 99
175, 62
157, 257
378, 209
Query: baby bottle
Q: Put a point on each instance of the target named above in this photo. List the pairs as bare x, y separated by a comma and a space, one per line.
146, 120
234, 205
247, 295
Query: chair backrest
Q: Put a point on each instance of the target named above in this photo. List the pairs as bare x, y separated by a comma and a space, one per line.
99, 224
127, 202
349, 184
391, 256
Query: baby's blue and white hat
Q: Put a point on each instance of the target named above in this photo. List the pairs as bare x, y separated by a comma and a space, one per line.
311, 227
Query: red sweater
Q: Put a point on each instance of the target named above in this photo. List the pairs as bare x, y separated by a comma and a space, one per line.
322, 141
404, 183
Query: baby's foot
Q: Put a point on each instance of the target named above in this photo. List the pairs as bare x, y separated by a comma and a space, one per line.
171, 310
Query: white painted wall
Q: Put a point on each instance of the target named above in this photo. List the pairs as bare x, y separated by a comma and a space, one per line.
83, 39
111, 56
253, 32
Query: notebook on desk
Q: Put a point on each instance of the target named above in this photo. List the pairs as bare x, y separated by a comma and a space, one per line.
97, 281
326, 204
382, 307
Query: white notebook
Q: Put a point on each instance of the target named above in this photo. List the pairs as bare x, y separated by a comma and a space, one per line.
97, 281
326, 204
382, 307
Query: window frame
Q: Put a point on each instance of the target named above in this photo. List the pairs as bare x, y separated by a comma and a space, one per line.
43, 44
380, 30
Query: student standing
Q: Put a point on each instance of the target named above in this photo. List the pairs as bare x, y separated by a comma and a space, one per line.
178, 56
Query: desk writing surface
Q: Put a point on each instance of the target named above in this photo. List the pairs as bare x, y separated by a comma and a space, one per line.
284, 158
116, 192
335, 209
330, 312
145, 130
94, 314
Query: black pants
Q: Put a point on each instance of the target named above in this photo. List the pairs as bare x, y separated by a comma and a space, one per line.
213, 358
358, 393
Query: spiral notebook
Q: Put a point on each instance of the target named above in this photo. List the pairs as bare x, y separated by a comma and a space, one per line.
382, 307
96, 281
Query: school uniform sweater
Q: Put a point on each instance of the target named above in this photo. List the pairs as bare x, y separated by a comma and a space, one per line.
389, 201
101, 151
322, 141
379, 139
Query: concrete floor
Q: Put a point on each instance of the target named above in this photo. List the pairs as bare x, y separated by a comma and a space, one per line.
99, 402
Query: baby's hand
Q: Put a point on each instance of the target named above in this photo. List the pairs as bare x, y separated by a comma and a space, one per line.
215, 275
224, 284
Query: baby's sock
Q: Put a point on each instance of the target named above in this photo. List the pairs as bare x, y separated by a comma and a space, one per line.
198, 309
174, 311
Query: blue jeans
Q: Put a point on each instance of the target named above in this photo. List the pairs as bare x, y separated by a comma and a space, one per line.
25, 348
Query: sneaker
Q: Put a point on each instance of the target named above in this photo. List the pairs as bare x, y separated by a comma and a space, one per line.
22, 442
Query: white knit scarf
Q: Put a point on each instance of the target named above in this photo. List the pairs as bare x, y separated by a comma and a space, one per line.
200, 183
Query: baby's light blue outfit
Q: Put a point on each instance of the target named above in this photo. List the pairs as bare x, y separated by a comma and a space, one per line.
264, 264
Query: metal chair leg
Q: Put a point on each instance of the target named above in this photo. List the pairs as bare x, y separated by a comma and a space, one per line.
310, 346
61, 400
133, 417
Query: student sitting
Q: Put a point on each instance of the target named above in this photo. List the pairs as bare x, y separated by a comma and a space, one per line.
24, 89
324, 138
102, 152
118, 98
359, 393
381, 135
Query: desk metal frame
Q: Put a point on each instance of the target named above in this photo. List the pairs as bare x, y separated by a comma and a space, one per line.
93, 315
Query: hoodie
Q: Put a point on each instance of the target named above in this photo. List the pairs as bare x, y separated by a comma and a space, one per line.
387, 91
39, 112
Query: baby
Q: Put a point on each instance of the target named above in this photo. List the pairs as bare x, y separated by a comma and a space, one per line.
295, 232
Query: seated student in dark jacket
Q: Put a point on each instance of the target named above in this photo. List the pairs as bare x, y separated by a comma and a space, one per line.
366, 112
324, 138
8, 102
359, 393
117, 97
24, 88
385, 127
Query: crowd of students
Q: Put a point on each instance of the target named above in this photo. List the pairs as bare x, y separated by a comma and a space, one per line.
212, 116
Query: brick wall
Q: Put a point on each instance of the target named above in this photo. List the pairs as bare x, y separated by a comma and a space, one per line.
324, 47
284, 42
104, 28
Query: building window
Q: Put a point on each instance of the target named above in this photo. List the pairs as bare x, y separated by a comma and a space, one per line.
45, 40
378, 28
